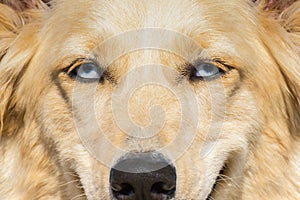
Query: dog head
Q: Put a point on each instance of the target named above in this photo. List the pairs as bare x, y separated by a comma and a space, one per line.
153, 99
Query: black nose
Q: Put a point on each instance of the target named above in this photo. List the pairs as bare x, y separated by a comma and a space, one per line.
143, 176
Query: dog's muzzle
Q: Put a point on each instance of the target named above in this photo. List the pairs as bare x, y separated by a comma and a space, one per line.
143, 176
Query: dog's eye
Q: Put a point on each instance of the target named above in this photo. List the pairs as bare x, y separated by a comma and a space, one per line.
206, 71
89, 72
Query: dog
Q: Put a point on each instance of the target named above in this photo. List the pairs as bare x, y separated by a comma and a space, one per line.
149, 100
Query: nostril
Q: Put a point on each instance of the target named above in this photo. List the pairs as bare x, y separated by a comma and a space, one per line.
162, 190
122, 191
143, 176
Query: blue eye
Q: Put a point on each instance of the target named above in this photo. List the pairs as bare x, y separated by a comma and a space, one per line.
87, 72
206, 71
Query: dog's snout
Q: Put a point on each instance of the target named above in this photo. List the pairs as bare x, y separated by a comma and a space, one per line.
143, 176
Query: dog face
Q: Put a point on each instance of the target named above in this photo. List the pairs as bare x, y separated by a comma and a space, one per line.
190, 84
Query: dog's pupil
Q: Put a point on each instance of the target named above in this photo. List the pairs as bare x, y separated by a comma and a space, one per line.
87, 68
209, 69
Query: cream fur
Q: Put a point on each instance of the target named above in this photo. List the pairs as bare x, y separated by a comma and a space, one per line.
43, 157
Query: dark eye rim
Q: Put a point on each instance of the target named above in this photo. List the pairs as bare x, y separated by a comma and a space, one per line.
71, 71
220, 65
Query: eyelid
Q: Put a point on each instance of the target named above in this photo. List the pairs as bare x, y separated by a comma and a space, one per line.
73, 66
221, 64
187, 68
79, 62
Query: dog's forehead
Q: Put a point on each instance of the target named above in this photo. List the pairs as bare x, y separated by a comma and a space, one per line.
113, 17
175, 25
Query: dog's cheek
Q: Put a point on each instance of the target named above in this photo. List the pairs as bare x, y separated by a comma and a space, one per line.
56, 117
66, 121
241, 131
60, 135
224, 136
94, 177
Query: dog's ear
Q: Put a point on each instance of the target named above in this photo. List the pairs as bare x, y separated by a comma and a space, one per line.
281, 37
21, 5
17, 45
277, 6
289, 19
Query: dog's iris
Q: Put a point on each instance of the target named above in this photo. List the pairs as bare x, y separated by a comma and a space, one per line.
88, 72
206, 71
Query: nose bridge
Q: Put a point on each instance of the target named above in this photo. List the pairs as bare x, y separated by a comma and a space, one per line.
157, 64
146, 66
147, 89
147, 102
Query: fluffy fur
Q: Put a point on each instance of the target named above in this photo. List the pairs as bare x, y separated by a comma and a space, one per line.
41, 154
